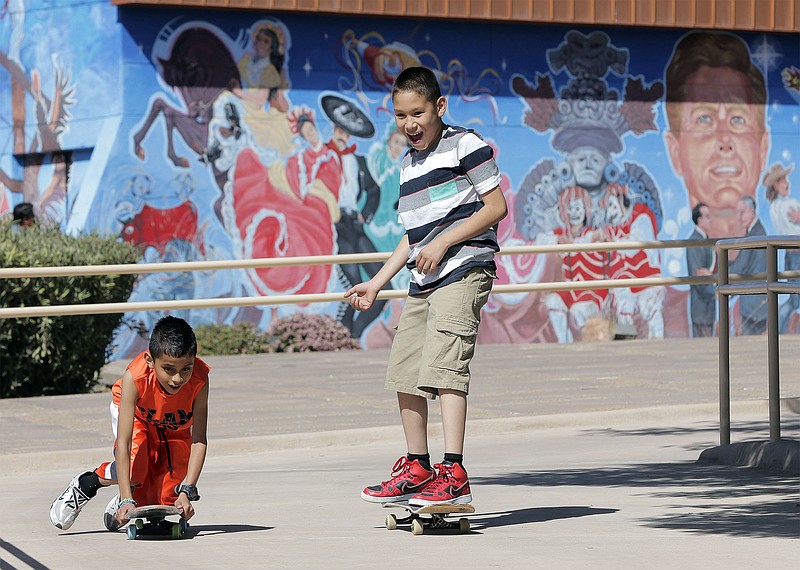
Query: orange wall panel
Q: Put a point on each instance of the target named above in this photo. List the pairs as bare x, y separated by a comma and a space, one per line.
704, 14
500, 9
625, 12
665, 12
786, 15
564, 11
685, 12
645, 11
440, 8
394, 7
542, 10
352, 6
604, 11
723, 16
416, 8
744, 14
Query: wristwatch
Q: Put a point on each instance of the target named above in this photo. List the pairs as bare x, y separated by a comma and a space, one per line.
190, 490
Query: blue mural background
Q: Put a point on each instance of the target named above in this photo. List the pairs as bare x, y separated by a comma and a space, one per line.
98, 70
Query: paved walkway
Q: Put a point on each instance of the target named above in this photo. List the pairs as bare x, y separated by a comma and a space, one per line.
580, 456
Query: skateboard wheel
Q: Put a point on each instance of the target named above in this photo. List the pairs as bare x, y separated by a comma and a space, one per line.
391, 522
132, 532
176, 530
416, 527
463, 526
139, 524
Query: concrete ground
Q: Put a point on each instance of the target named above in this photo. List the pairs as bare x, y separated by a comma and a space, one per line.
580, 456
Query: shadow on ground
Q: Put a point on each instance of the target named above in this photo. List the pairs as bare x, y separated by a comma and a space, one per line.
789, 427
209, 529
534, 515
714, 498
20, 555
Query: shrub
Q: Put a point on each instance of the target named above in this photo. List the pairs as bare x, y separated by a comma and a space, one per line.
241, 338
58, 355
303, 332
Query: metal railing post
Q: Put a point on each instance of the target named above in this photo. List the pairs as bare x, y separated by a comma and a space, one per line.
773, 356
724, 350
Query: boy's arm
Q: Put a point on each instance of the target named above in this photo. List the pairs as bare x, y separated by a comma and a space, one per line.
122, 453
494, 209
362, 296
197, 455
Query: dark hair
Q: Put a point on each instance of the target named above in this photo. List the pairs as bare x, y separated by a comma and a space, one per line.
419, 80
23, 211
696, 213
174, 337
275, 56
706, 49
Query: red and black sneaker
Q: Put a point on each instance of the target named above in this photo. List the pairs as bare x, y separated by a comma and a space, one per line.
408, 477
450, 486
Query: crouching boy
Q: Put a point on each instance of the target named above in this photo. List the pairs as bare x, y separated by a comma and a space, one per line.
159, 416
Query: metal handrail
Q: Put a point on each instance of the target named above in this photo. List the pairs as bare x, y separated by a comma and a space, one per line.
141, 268
767, 283
339, 259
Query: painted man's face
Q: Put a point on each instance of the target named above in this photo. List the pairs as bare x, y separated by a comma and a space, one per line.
706, 220
340, 138
745, 214
720, 145
588, 165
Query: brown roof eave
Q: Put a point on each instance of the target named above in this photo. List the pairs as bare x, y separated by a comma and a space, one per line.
734, 15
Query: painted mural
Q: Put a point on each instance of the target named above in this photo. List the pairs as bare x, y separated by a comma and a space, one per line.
210, 135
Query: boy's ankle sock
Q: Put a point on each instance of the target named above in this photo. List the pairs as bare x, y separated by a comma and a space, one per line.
424, 460
450, 458
89, 483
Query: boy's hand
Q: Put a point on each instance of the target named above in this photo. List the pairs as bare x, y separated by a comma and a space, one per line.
122, 512
185, 505
362, 296
429, 257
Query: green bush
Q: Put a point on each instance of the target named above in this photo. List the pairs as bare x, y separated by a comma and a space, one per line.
241, 338
301, 332
58, 355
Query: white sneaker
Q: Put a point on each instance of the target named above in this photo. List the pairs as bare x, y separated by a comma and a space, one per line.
66, 508
109, 517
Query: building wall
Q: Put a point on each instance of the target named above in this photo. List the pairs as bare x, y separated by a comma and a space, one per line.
149, 124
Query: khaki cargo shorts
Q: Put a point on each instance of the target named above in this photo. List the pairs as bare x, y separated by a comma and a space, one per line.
436, 335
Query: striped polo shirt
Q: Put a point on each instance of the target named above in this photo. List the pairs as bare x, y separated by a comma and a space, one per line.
440, 188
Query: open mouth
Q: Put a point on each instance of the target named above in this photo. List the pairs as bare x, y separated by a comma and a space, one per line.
415, 138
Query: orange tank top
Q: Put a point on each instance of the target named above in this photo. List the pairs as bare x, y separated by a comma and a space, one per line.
155, 407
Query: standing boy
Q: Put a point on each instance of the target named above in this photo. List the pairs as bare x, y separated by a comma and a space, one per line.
450, 205
159, 416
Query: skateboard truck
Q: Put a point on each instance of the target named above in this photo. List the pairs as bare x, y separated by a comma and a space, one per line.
152, 521
436, 520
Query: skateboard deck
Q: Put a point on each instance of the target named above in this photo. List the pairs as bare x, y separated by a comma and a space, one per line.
419, 522
152, 521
